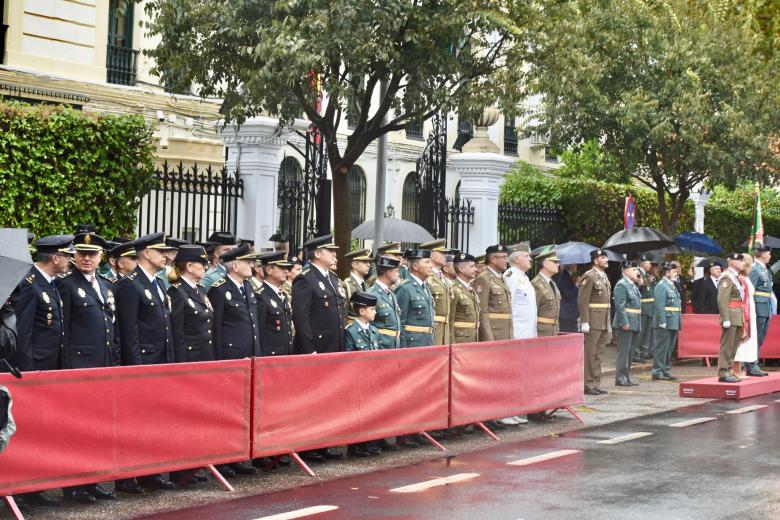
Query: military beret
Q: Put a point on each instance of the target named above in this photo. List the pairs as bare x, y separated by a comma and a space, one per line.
278, 258
223, 238
295, 260
362, 299
736, 256
498, 248
238, 253
361, 254
386, 261
597, 253
323, 242
88, 242
464, 257
53, 244
417, 254
191, 253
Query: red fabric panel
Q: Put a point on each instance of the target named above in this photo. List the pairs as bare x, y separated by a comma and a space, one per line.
700, 337
83, 426
320, 400
505, 378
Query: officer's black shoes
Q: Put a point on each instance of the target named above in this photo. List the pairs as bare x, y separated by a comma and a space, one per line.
729, 379
601, 391
496, 425
374, 449
157, 482
670, 377
622, 383
242, 468
313, 456
24, 507
660, 377
358, 450
284, 460
631, 383
226, 471
41, 499
756, 372
468, 429
592, 391
101, 493
334, 453
129, 486
407, 442
80, 496
387, 446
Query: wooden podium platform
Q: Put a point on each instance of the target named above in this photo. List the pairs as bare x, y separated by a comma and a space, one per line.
711, 388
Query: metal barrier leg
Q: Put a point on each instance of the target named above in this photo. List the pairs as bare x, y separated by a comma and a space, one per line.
571, 411
11, 503
433, 441
487, 430
222, 481
305, 467
707, 361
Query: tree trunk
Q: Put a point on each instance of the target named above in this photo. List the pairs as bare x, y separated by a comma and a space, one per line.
341, 216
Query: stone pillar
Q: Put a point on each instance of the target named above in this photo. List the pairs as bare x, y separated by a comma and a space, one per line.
255, 149
700, 199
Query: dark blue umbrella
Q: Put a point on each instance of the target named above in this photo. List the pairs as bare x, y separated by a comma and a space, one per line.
693, 242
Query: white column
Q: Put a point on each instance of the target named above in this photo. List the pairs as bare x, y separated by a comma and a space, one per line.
481, 175
255, 149
700, 199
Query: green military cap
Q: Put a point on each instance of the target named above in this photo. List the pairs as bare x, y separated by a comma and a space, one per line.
361, 254
390, 248
552, 256
480, 259
439, 245
522, 246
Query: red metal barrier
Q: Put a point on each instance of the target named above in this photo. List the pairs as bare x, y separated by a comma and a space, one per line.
700, 337
83, 426
321, 400
505, 378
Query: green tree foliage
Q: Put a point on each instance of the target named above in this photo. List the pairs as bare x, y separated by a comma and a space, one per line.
591, 162
678, 91
60, 167
277, 56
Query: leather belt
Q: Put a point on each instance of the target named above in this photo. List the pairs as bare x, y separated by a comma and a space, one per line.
648, 300
440, 319
547, 321
598, 305
499, 316
464, 325
388, 332
634, 311
672, 309
415, 328
763, 294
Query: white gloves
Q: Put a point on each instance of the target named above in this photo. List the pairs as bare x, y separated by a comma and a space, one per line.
584, 328
726, 324
662, 325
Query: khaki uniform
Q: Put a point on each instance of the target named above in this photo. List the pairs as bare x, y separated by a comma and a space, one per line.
441, 291
730, 309
548, 306
351, 285
593, 305
495, 301
464, 314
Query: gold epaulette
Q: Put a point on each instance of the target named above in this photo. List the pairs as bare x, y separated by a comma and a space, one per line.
218, 282
132, 275
30, 278
176, 284
65, 275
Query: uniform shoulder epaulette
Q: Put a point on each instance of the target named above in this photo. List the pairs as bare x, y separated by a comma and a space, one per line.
65, 275
401, 282
109, 278
30, 279
132, 275
260, 290
219, 282
305, 272
176, 284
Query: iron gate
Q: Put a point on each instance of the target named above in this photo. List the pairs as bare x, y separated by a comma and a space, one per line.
539, 225
191, 202
431, 180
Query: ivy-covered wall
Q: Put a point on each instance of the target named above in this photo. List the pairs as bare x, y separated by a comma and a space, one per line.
60, 167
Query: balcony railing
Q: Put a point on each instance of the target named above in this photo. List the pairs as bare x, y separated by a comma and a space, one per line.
120, 65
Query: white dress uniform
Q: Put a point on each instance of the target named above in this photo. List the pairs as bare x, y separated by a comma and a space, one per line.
523, 303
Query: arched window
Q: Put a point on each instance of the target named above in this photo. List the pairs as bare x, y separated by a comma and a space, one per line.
356, 180
289, 196
409, 198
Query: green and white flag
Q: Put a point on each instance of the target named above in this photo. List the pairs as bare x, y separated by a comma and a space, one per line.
757, 235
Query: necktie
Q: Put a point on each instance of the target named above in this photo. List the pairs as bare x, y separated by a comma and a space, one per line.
96, 286
363, 285
53, 285
243, 294
157, 290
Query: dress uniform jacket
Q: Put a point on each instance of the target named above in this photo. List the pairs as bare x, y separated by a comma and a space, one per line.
318, 315
358, 338
416, 304
730, 298
523, 303
495, 301
274, 320
441, 291
628, 306
144, 321
192, 321
236, 334
351, 285
464, 314
593, 300
647, 292
91, 331
667, 305
548, 306
762, 281
388, 317
39, 327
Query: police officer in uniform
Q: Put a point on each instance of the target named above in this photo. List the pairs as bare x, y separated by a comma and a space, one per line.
318, 300
223, 242
548, 297
169, 254
121, 260
627, 321
495, 319
192, 317
666, 322
274, 315
762, 281
730, 297
464, 303
646, 289
388, 314
593, 305
441, 290
91, 336
415, 300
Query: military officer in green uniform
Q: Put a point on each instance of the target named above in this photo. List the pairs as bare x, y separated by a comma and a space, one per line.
730, 298
223, 242
666, 322
464, 303
441, 290
548, 297
388, 315
593, 305
361, 334
761, 278
360, 265
415, 300
388, 250
646, 287
495, 318
627, 321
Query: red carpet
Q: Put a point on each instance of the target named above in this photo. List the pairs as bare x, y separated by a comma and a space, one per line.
712, 388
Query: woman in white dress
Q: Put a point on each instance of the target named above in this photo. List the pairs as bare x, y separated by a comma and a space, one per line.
748, 347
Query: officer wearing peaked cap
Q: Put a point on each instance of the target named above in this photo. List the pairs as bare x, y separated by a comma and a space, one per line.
122, 260
441, 290
317, 301
464, 303
38, 307
495, 319
223, 241
666, 322
389, 250
731, 295
627, 321
761, 278
388, 314
646, 285
593, 304
360, 264
548, 297
274, 315
415, 301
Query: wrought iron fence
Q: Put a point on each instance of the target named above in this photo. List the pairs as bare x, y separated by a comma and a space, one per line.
191, 202
460, 215
432, 178
120, 65
538, 224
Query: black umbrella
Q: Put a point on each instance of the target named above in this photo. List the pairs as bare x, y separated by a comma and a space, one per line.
15, 259
396, 230
769, 241
637, 240
712, 260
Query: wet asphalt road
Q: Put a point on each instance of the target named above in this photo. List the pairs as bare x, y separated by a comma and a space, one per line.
725, 468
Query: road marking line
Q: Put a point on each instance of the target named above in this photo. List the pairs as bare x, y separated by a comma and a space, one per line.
421, 486
692, 422
748, 408
777, 400
299, 513
624, 438
542, 458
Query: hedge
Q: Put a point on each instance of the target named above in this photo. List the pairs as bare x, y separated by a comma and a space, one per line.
592, 210
60, 167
